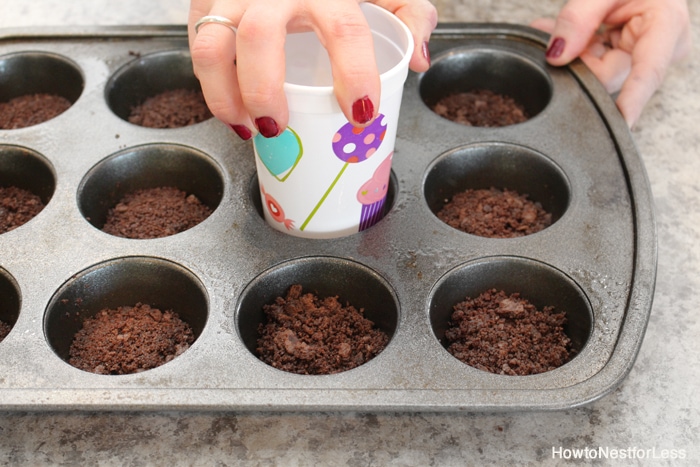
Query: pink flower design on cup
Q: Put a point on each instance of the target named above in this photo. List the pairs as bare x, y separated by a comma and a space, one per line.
372, 195
352, 145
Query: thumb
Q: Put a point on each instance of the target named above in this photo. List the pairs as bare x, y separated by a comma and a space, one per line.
573, 29
543, 24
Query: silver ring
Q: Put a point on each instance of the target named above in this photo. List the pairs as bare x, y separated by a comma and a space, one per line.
215, 19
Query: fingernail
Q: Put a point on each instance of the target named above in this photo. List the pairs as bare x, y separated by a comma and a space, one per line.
242, 131
267, 126
426, 52
556, 48
363, 110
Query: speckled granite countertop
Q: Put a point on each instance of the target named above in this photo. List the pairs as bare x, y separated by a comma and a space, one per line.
649, 416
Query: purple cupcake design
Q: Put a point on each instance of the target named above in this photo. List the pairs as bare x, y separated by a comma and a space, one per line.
372, 195
352, 145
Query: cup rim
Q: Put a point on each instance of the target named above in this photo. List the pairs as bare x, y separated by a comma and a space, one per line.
383, 77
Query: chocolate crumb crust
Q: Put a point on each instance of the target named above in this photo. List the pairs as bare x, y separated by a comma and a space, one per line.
155, 213
129, 339
31, 109
507, 335
175, 108
308, 335
17, 207
494, 213
4, 330
480, 108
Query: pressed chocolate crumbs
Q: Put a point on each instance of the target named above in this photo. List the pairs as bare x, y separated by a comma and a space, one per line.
494, 213
308, 335
155, 213
17, 207
481, 108
129, 339
507, 335
31, 109
4, 330
171, 109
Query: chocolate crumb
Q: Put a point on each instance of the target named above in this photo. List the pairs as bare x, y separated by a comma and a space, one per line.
481, 108
507, 335
17, 207
494, 213
308, 335
155, 213
4, 330
129, 340
171, 109
31, 109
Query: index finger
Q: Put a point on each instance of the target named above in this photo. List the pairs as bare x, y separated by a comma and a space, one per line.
421, 19
575, 25
344, 32
651, 57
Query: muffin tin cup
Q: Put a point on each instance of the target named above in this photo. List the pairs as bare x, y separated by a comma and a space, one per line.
574, 155
148, 166
11, 300
123, 282
347, 280
39, 72
26, 169
147, 76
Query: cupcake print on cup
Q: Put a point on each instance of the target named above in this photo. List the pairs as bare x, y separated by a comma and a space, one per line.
353, 145
372, 195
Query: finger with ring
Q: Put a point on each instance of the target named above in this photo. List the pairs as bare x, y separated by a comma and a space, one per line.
215, 19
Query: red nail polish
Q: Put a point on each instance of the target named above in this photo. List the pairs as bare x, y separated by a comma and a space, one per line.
267, 126
556, 48
242, 131
362, 110
426, 52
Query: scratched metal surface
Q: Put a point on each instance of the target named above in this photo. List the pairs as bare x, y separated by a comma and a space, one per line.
576, 156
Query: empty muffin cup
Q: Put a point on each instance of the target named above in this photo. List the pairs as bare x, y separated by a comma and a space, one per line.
123, 282
41, 77
145, 167
540, 284
354, 284
501, 166
167, 73
498, 71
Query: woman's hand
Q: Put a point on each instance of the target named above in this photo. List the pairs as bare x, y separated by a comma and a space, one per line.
628, 44
242, 73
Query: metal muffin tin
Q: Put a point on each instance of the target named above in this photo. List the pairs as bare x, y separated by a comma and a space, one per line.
575, 155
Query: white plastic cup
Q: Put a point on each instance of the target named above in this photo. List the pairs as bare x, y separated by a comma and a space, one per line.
323, 178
